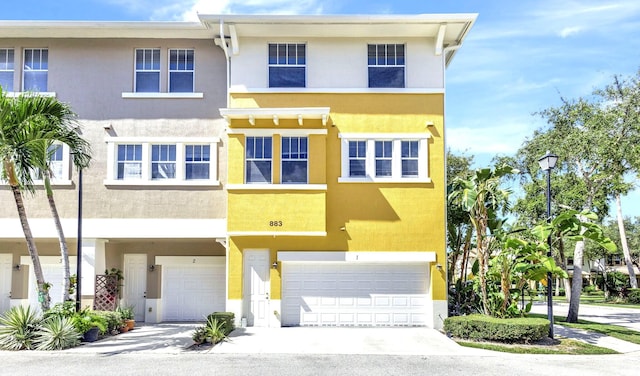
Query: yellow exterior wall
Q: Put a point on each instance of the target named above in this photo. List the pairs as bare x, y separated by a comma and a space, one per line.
376, 216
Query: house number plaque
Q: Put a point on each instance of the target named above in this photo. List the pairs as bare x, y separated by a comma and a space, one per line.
275, 223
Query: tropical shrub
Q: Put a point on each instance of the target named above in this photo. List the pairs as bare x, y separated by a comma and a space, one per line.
57, 333
18, 328
486, 328
65, 309
615, 283
464, 299
634, 296
85, 319
226, 318
113, 320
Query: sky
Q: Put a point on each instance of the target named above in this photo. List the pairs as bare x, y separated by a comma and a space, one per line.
519, 58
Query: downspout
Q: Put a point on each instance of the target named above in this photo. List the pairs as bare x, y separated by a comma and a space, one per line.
223, 44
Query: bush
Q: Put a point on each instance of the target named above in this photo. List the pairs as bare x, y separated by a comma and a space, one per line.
86, 319
225, 318
486, 328
65, 309
634, 296
18, 328
113, 320
57, 333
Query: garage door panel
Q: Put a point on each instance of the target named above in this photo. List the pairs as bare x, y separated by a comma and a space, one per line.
354, 294
191, 292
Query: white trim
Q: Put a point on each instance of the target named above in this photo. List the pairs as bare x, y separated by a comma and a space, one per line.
304, 256
189, 260
15, 94
169, 140
276, 233
129, 95
119, 228
275, 114
161, 182
278, 187
372, 179
239, 89
272, 131
384, 136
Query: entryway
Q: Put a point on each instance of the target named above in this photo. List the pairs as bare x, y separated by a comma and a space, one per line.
256, 287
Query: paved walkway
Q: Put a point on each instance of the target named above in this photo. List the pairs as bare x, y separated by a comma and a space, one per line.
626, 317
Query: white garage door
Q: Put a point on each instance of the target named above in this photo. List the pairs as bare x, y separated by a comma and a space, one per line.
53, 274
345, 294
191, 292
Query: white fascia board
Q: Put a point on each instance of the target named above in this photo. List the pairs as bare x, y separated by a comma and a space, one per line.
384, 136
277, 187
277, 233
241, 89
198, 140
119, 228
281, 131
301, 256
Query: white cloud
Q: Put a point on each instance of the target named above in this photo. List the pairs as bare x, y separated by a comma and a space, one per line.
567, 31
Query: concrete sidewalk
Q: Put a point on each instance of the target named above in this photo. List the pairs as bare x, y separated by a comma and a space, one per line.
626, 317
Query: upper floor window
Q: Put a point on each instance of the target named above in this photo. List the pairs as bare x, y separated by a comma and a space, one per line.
6, 68
162, 161
147, 70
384, 157
294, 160
181, 71
386, 65
36, 68
58, 165
198, 160
130, 161
258, 157
287, 65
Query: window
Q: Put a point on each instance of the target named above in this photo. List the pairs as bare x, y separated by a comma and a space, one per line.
287, 65
382, 157
409, 158
174, 161
258, 154
36, 67
130, 161
198, 158
357, 158
294, 160
147, 70
6, 68
386, 65
58, 160
181, 71
163, 161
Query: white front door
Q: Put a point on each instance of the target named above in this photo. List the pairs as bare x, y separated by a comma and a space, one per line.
257, 287
6, 266
53, 274
135, 283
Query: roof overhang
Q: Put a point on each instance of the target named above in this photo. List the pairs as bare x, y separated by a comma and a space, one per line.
276, 114
104, 29
447, 30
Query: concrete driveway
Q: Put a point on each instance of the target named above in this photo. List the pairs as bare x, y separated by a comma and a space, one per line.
173, 338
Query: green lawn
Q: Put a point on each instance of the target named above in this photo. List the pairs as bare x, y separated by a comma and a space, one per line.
564, 346
592, 299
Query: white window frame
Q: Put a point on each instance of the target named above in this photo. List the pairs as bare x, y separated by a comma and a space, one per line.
9, 66
305, 160
194, 162
386, 65
147, 143
263, 159
396, 159
143, 70
286, 64
63, 180
164, 161
409, 158
24, 70
192, 71
384, 157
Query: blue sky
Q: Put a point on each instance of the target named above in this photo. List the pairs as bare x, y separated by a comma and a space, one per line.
519, 58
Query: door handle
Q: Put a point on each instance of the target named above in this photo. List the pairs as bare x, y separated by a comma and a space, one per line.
267, 296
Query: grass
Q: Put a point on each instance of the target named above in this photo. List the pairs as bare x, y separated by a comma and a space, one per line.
562, 346
593, 299
616, 331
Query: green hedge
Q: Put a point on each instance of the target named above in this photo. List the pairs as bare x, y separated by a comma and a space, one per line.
633, 296
227, 318
486, 328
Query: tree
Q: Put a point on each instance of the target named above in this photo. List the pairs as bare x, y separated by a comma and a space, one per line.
28, 125
80, 150
482, 198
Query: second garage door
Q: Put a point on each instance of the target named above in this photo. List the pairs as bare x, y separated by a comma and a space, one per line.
190, 292
355, 294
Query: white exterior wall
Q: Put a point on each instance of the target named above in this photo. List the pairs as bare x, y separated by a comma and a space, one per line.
337, 63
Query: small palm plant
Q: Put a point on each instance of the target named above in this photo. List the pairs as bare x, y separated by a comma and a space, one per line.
18, 328
57, 333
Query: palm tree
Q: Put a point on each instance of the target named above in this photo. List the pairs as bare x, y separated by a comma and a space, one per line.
481, 197
29, 124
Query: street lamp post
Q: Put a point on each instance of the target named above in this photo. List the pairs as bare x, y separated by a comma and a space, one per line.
79, 248
547, 163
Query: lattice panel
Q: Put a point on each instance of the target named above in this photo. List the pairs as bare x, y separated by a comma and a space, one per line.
106, 293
